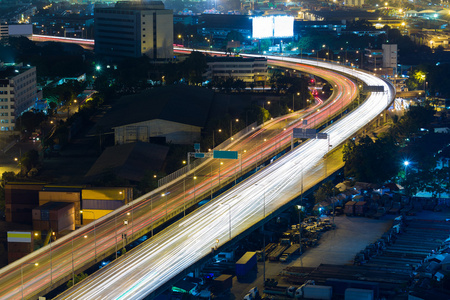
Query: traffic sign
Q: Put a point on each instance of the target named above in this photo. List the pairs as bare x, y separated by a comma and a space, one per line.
197, 146
322, 136
199, 155
225, 154
301, 133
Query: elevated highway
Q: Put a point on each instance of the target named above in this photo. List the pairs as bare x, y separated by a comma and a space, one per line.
91, 243
174, 249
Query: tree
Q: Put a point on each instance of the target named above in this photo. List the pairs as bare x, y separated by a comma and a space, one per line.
78, 278
29, 160
194, 67
30, 120
325, 191
235, 36
370, 161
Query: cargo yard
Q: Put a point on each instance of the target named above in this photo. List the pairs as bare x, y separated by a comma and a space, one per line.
345, 258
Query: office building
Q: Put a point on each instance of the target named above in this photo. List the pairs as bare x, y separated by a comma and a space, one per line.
390, 55
247, 69
18, 93
133, 29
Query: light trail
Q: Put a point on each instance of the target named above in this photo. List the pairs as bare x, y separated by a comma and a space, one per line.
188, 240
152, 207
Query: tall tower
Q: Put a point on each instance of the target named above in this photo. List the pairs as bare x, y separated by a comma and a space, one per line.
133, 29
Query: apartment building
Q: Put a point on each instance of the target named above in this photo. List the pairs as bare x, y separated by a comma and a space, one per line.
18, 93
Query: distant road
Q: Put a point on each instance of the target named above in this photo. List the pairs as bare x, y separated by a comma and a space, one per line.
86, 44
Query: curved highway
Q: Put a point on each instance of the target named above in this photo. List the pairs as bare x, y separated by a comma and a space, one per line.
180, 245
57, 260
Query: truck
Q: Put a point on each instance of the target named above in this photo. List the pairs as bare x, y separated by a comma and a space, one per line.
222, 284
340, 285
225, 257
358, 294
245, 263
291, 250
315, 292
349, 208
281, 290
252, 294
282, 246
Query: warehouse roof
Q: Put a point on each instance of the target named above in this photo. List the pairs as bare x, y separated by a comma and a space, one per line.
177, 103
130, 161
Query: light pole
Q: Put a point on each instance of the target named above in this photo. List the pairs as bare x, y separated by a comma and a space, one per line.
231, 127
115, 231
95, 236
406, 164
220, 163
194, 178
293, 109
151, 212
164, 195
264, 235
73, 267
229, 218
124, 235
21, 272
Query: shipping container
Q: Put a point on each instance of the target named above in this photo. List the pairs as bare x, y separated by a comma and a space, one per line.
358, 294
222, 283
349, 209
245, 263
20, 199
360, 208
58, 216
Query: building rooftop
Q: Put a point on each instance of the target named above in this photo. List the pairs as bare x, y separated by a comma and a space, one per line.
54, 205
130, 161
234, 59
8, 71
177, 103
140, 5
237, 22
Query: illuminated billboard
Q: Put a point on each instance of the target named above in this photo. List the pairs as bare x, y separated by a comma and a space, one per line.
272, 27
283, 26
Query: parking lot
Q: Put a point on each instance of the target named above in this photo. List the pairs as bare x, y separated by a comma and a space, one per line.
338, 246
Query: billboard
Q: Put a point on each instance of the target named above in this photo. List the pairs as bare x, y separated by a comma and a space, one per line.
272, 27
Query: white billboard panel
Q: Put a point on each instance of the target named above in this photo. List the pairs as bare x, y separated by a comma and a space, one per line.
273, 26
262, 27
283, 26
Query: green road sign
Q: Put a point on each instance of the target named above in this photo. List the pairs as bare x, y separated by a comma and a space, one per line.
225, 154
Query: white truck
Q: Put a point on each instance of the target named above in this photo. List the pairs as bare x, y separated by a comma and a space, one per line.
309, 291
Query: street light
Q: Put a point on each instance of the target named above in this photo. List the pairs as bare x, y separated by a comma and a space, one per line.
21, 272
229, 217
95, 236
231, 126
220, 163
73, 267
406, 164
195, 178
298, 94
214, 142
164, 195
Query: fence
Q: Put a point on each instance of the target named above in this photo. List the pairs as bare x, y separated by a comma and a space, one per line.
197, 162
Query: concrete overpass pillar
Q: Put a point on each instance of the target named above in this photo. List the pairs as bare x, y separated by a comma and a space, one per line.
197, 272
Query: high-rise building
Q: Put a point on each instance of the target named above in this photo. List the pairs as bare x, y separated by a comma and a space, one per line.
133, 29
390, 55
18, 93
